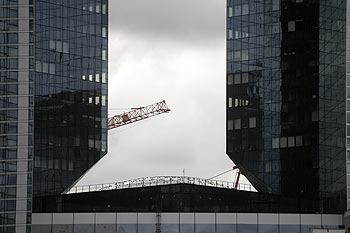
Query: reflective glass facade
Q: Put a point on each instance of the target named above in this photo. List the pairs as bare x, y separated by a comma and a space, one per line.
70, 91
53, 55
332, 105
286, 97
16, 114
348, 101
173, 198
183, 223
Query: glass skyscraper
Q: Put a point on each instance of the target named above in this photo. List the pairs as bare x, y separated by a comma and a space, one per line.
53, 99
70, 91
286, 97
16, 113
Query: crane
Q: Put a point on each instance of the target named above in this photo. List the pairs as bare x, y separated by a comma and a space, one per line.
236, 180
137, 114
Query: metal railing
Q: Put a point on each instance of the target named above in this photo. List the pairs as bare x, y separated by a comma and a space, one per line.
159, 181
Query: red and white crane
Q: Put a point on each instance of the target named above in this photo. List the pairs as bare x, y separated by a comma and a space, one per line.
141, 113
137, 114
236, 179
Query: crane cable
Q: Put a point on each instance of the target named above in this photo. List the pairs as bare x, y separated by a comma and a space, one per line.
221, 174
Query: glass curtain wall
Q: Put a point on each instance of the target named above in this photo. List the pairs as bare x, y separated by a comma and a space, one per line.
286, 97
16, 114
332, 106
70, 91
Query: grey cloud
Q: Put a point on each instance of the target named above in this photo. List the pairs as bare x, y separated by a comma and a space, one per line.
156, 52
180, 20
192, 136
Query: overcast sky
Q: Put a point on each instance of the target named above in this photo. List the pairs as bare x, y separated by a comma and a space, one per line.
172, 50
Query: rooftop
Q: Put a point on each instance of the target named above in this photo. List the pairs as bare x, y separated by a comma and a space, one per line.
160, 181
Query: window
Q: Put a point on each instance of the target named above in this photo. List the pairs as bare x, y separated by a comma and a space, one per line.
230, 34
104, 55
241, 102
237, 10
241, 78
241, 55
245, 78
83, 77
245, 9
230, 79
70, 165
45, 67
291, 141
299, 140
104, 9
98, 10
91, 143
59, 46
237, 55
276, 5
38, 66
52, 68
275, 143
103, 100
104, 78
252, 122
237, 103
283, 142
97, 78
239, 35
103, 146
97, 100
238, 124
90, 77
230, 12
291, 26
230, 55
65, 47
245, 55
237, 79
52, 44
104, 32
276, 28
230, 102
241, 9
230, 125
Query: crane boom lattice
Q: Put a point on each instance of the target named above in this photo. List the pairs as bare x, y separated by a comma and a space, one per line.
137, 114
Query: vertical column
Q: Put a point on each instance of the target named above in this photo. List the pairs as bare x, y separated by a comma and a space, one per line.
347, 101
24, 106
15, 121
